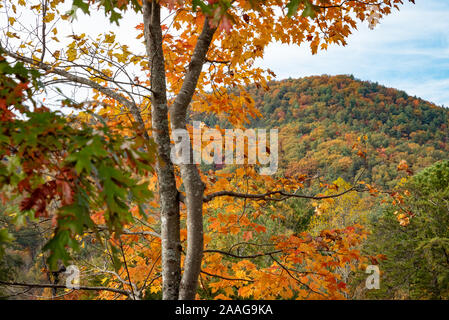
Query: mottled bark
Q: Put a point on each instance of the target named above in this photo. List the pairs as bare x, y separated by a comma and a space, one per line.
170, 235
173, 286
194, 187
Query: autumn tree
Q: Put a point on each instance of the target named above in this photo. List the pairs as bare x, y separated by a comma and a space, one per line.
200, 56
416, 251
340, 212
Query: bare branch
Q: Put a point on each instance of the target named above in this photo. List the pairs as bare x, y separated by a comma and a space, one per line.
226, 278
268, 196
243, 257
77, 79
134, 233
60, 286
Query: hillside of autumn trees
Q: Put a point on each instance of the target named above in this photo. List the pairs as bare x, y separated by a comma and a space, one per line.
338, 129
320, 119
323, 121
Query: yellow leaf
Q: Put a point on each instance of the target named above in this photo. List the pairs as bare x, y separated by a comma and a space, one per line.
109, 38
49, 17
71, 54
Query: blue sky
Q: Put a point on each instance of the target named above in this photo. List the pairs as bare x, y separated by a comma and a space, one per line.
408, 50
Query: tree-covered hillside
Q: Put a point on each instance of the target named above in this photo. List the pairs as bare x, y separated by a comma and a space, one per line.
333, 126
320, 119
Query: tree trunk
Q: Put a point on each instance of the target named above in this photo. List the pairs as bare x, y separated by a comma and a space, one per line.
169, 200
173, 287
191, 178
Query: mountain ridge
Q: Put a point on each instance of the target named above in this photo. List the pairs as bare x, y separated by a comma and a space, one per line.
320, 118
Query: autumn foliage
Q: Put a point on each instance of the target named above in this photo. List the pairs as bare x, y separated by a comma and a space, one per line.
119, 207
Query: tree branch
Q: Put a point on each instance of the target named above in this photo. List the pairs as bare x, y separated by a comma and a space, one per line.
243, 257
293, 277
133, 233
60, 286
184, 97
268, 195
226, 278
92, 84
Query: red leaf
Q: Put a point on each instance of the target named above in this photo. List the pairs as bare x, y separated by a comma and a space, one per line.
67, 195
247, 235
341, 285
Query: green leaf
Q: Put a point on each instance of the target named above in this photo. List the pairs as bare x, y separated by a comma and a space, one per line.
292, 7
57, 247
204, 7
115, 258
82, 5
5, 237
310, 10
115, 16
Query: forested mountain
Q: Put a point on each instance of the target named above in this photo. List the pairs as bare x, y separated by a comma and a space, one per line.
320, 119
333, 126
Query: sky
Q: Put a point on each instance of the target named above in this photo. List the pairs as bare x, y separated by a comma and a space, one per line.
408, 50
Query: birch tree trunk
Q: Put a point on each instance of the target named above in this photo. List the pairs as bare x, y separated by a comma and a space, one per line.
175, 287
169, 200
191, 178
